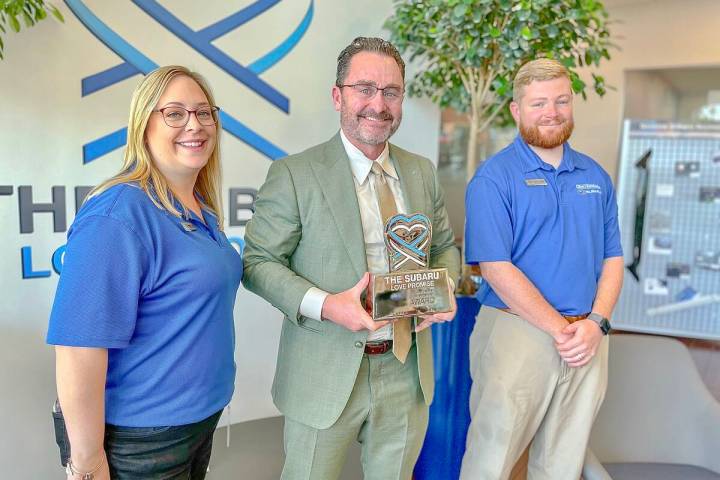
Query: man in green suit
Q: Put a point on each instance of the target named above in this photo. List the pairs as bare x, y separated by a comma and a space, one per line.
316, 233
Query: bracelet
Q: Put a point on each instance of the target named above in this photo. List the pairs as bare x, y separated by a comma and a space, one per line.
70, 469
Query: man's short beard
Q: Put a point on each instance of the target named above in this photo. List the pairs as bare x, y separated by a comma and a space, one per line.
532, 136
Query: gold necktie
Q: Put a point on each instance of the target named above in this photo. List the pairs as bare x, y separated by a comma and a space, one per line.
388, 208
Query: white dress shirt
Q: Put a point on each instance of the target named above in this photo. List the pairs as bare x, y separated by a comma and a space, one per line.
372, 224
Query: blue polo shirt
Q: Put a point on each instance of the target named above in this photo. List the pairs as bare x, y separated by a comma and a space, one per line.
158, 292
556, 226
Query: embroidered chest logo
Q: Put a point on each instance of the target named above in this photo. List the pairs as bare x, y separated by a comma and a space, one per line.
588, 188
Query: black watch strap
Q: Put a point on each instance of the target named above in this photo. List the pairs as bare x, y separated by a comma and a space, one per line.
602, 322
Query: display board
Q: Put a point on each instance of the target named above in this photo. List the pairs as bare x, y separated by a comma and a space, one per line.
669, 213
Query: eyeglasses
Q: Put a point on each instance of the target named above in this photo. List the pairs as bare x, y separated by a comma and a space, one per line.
178, 117
367, 91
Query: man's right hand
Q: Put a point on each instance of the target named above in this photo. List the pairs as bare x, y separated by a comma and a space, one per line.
345, 308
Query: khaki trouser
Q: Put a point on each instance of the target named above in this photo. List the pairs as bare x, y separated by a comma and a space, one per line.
386, 413
524, 392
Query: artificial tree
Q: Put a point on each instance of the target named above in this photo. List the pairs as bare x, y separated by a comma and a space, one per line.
468, 51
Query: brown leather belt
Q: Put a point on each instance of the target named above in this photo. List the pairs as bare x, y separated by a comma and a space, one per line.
378, 348
569, 318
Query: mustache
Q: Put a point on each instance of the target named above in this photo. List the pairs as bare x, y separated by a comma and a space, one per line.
382, 115
552, 122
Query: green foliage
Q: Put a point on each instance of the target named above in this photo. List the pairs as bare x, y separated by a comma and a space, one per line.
469, 50
30, 11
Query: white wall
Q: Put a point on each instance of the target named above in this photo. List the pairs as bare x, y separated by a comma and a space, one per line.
44, 122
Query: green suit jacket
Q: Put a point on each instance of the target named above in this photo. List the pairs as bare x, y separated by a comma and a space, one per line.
306, 231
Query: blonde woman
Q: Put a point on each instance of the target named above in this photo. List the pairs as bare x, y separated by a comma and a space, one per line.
143, 314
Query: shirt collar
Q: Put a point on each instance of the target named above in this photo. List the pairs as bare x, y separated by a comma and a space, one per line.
361, 165
208, 218
531, 161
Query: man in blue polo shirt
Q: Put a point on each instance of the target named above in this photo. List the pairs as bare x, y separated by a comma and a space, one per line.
542, 225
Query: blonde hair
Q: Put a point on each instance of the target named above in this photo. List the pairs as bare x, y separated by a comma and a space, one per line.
538, 70
138, 166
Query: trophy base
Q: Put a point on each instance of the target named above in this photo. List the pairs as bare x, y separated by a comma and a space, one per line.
408, 293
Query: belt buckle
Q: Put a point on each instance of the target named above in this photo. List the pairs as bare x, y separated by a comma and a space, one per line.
378, 348
575, 318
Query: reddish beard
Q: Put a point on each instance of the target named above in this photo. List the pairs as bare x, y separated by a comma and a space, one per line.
532, 135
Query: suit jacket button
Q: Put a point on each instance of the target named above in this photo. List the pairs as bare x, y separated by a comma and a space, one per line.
359, 344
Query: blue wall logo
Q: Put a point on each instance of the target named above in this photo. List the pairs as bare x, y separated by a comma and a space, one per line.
240, 199
135, 62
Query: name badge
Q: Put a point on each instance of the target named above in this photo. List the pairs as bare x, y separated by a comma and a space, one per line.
188, 226
535, 182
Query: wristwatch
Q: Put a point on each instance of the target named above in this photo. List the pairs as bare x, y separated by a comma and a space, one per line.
602, 322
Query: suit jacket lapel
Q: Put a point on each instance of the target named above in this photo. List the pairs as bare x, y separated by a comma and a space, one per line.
411, 182
336, 182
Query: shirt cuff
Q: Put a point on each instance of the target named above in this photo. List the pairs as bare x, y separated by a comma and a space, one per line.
312, 303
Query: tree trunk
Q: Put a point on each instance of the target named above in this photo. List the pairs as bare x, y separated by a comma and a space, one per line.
466, 285
472, 145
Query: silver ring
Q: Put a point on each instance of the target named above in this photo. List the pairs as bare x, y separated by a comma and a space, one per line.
581, 355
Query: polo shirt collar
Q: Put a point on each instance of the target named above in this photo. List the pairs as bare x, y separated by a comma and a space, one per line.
209, 219
578, 161
361, 165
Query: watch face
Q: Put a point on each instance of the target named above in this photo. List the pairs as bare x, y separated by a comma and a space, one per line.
602, 322
605, 326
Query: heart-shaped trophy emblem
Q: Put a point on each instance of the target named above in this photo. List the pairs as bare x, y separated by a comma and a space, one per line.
408, 241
